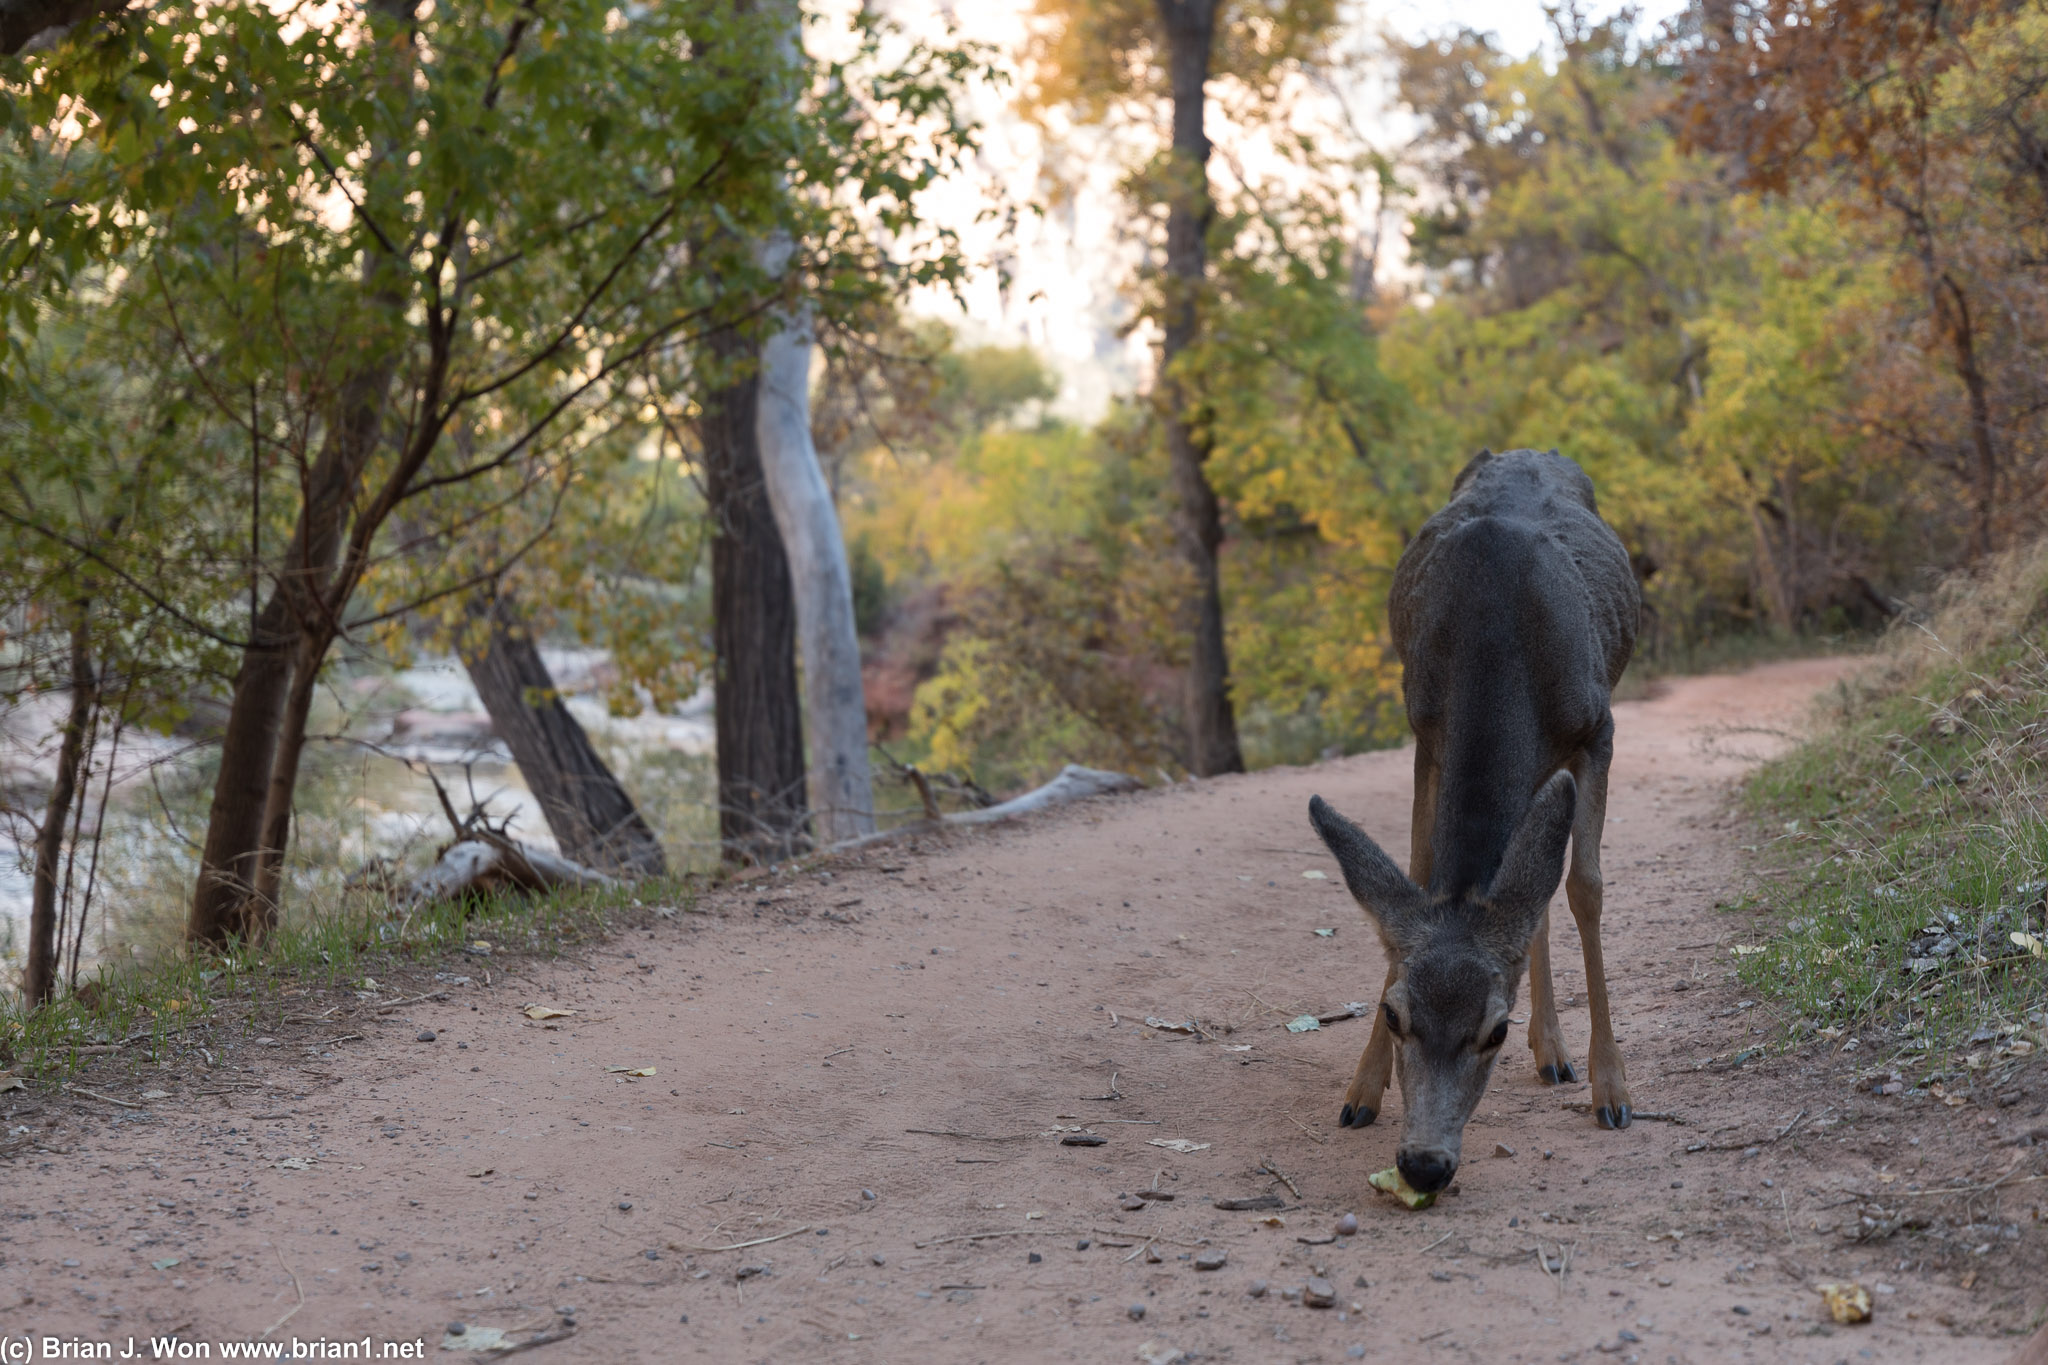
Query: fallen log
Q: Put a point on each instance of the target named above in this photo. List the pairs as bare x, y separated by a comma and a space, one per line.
1074, 783
482, 861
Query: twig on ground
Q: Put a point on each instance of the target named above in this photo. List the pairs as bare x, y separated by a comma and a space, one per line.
973, 1137
1270, 1169
1313, 1134
1434, 1245
295, 1285
1114, 1093
94, 1094
1005, 1232
739, 1246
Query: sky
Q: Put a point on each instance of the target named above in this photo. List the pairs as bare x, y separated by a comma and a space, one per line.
1060, 233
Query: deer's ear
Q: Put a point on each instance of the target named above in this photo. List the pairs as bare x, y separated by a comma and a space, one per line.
1380, 887
1534, 863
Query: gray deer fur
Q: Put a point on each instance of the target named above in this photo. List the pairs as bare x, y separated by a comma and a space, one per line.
1514, 613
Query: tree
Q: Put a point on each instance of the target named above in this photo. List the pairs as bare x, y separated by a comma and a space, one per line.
1097, 57
594, 821
1935, 113
842, 797
761, 807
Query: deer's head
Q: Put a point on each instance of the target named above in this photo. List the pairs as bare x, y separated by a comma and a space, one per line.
1458, 962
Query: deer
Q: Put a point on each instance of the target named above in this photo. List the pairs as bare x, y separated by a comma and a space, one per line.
1513, 613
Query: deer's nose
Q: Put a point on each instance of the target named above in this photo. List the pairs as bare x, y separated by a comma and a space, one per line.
1426, 1172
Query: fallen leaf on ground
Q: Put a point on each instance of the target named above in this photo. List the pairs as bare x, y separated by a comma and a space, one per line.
1306, 1023
12, 1083
1182, 1145
1746, 949
479, 1175
1847, 1302
630, 1070
1326, 933
1391, 1182
1271, 1220
296, 1163
477, 1339
1153, 1353
153, 1094
1237, 1047
1168, 1026
545, 1012
165, 1264
1315, 876
2031, 942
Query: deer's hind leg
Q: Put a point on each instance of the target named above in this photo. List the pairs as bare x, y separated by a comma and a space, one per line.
1583, 887
1376, 1063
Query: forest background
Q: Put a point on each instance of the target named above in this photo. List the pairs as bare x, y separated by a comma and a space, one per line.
341, 337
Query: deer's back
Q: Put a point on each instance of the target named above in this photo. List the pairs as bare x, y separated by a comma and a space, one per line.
1514, 612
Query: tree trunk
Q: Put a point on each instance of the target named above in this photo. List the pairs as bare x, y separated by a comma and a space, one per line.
266, 899
835, 709
593, 819
1212, 724
753, 631
1952, 306
228, 862
39, 982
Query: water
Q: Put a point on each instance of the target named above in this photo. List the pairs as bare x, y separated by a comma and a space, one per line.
361, 797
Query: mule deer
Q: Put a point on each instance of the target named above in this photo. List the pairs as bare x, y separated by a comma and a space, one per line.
1514, 612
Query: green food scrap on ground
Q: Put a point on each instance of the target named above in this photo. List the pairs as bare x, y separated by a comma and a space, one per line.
1390, 1180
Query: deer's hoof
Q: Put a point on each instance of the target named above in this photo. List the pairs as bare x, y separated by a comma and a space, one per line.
1560, 1074
1356, 1116
1614, 1116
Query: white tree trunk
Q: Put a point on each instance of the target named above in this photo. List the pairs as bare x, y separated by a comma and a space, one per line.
835, 709
828, 646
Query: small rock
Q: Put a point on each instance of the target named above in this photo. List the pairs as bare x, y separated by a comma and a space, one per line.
1501, 1149
1212, 1260
867, 1194
1347, 1226
1258, 1289
879, 1259
426, 1035
1033, 1259
1319, 1293
1627, 1335
1130, 1203
1356, 1352
651, 1254
625, 1206
456, 1329
1740, 1310
1081, 1245
1152, 1256
1137, 1312
1083, 1140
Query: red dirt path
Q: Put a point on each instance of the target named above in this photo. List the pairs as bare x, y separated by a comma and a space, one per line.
988, 984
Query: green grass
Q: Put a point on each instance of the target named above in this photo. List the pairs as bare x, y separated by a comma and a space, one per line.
171, 1003
1905, 845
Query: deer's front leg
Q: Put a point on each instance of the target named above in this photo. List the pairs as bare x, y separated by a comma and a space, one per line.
1583, 887
1375, 1067
1546, 1038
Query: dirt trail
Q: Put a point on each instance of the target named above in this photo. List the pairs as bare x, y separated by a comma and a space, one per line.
804, 1031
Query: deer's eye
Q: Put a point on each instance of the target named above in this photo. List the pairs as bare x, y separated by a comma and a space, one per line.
1499, 1034
1393, 1019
